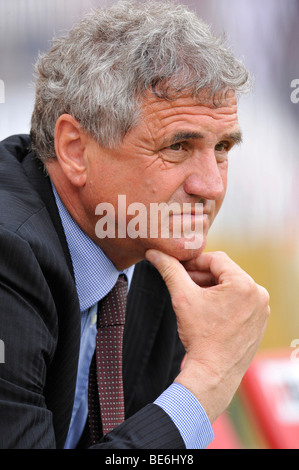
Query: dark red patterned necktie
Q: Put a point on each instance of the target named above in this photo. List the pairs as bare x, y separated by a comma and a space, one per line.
105, 394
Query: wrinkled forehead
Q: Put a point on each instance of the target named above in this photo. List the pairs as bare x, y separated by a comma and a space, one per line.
187, 111
218, 102
205, 96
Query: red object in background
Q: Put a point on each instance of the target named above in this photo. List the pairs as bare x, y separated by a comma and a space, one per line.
270, 393
225, 434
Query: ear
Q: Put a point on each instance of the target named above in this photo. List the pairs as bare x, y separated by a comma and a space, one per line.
70, 141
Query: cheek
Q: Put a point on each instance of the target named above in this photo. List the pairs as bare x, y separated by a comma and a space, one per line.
223, 169
218, 202
224, 180
218, 205
155, 187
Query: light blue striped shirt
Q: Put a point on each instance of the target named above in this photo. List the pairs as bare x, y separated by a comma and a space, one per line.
95, 275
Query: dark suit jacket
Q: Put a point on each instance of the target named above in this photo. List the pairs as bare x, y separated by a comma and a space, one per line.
40, 324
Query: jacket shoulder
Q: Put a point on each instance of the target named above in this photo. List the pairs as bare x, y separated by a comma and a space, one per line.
18, 201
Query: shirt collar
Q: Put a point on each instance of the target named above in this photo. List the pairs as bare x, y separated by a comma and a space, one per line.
95, 275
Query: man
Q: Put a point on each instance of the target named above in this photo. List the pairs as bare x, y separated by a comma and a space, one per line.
138, 101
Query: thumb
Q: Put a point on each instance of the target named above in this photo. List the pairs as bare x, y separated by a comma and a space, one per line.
172, 271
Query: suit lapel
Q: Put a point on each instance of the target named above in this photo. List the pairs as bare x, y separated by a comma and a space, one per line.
61, 376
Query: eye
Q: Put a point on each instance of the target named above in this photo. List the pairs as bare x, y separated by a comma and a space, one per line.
176, 147
176, 152
223, 147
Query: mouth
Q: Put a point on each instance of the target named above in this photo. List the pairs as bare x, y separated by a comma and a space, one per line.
190, 219
198, 213
202, 207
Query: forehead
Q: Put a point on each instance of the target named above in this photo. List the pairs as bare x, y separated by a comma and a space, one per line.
163, 117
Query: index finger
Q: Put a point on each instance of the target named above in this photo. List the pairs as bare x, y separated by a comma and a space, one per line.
217, 263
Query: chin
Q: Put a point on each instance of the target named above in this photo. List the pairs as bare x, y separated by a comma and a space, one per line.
177, 248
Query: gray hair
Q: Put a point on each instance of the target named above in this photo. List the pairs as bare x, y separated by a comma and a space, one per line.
100, 71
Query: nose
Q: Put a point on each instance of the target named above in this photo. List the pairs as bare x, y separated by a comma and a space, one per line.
205, 179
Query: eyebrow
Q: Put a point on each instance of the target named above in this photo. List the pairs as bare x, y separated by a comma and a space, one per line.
235, 137
180, 136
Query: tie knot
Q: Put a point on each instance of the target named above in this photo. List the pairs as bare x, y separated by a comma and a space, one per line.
112, 308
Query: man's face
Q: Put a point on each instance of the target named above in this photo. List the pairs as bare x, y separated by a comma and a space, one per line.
177, 153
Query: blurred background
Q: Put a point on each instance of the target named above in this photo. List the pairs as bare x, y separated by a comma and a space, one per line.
259, 223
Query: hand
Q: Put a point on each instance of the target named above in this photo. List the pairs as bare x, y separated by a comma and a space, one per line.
221, 316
